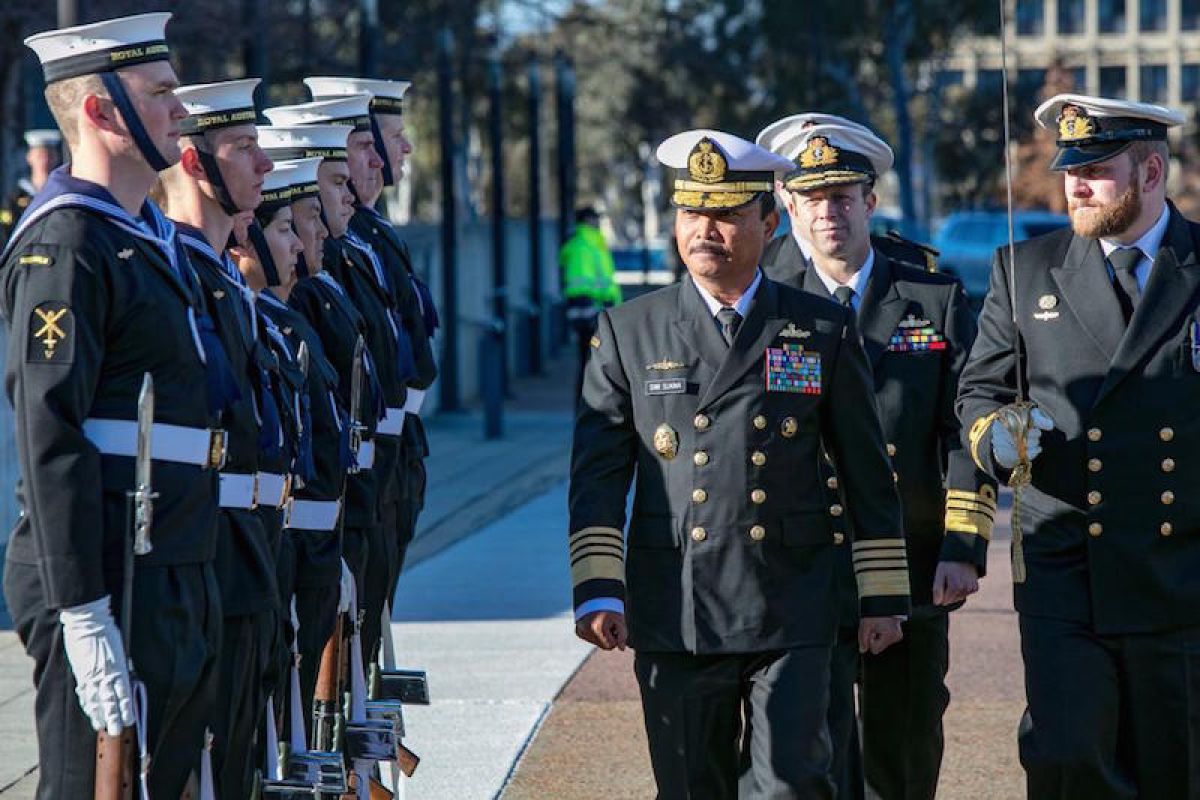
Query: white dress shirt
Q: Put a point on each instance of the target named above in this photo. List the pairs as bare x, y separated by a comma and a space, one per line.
857, 282
742, 306
1149, 244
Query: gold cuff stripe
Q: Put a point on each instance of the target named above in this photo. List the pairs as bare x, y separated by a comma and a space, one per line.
596, 532
978, 429
598, 567
970, 524
732, 186
883, 584
967, 505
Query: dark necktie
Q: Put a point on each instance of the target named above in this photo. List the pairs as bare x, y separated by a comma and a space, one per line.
1124, 262
730, 320
844, 295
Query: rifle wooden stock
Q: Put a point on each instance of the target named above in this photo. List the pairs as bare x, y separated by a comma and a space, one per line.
115, 756
406, 760
375, 790
328, 673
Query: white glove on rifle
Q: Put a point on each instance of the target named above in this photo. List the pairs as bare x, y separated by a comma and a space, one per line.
1004, 447
345, 589
97, 658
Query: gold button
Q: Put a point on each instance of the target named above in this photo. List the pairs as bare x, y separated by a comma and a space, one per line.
891, 449
758, 496
1095, 529
760, 422
758, 458
1094, 464
699, 496
836, 510
831, 483
1166, 434
1094, 434
701, 422
758, 533
700, 458
1094, 498
838, 538
1168, 498
1168, 465
699, 534
1166, 529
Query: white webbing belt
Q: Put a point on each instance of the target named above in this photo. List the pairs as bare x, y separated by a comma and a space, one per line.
312, 515
238, 490
118, 437
393, 422
273, 489
413, 401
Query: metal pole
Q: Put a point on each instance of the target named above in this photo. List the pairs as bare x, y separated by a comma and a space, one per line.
368, 36
564, 86
70, 12
535, 214
495, 405
448, 380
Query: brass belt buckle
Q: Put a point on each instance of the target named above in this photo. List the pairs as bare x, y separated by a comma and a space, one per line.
216, 449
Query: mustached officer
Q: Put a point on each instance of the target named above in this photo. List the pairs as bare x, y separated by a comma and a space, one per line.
95, 296
410, 297
1108, 325
917, 331
358, 268
718, 393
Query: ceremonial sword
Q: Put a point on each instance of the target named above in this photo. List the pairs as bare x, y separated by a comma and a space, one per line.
1015, 416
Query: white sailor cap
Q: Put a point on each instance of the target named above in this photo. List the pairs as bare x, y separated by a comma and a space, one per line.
217, 105
101, 46
351, 110
43, 137
785, 136
289, 142
1091, 129
837, 155
387, 97
277, 192
717, 170
303, 176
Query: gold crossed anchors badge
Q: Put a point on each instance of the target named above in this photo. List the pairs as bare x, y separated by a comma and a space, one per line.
49, 327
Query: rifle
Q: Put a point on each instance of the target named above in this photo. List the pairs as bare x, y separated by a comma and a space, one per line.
115, 754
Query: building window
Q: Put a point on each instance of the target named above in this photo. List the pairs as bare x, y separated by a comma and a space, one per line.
1112, 16
1152, 15
1029, 81
1079, 80
950, 77
1112, 82
989, 81
1031, 17
1189, 80
1152, 83
1072, 16
1189, 14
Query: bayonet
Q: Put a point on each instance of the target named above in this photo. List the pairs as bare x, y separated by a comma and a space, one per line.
144, 495
356, 390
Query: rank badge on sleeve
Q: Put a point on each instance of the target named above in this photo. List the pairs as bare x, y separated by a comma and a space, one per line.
51, 337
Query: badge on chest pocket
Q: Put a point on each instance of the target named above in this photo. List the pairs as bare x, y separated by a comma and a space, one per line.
791, 369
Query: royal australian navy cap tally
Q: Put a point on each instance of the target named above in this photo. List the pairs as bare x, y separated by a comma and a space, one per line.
303, 177
291, 142
351, 110
1091, 129
717, 170
837, 155
101, 46
212, 106
387, 97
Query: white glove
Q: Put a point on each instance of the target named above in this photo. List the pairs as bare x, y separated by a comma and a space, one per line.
345, 589
97, 658
1004, 447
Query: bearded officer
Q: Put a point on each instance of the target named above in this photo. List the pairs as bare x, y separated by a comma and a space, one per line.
719, 391
94, 298
42, 155
917, 331
1108, 325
